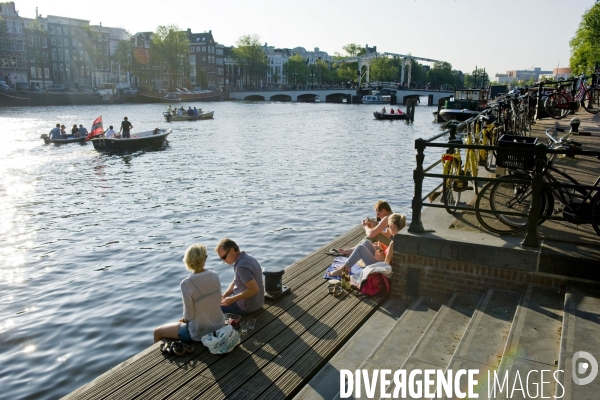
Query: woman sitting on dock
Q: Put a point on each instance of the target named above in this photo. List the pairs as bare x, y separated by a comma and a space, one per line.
201, 293
371, 253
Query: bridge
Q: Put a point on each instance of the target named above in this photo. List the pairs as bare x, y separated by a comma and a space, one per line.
329, 95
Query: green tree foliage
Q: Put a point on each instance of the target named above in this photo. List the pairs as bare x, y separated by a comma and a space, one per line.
250, 55
324, 75
171, 46
348, 72
383, 70
585, 45
201, 77
296, 70
441, 74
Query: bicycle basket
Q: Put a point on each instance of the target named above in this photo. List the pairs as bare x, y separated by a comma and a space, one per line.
522, 158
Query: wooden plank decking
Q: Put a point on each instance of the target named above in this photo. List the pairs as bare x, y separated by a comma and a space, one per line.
293, 338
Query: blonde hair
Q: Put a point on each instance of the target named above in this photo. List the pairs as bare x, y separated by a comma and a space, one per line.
399, 220
195, 257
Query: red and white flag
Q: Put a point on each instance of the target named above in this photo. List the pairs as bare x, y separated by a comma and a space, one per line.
97, 128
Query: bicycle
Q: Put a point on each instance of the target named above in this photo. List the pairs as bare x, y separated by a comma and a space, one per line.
512, 197
561, 102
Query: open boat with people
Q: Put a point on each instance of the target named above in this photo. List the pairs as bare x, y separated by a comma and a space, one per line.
141, 140
388, 116
201, 115
465, 103
68, 139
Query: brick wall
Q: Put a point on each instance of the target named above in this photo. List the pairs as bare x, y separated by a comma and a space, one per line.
440, 277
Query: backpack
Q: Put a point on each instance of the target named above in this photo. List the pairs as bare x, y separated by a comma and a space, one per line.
376, 283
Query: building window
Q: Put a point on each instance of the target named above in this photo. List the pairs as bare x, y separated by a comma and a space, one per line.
33, 72
30, 41
61, 67
51, 29
36, 41
59, 41
65, 31
204, 58
105, 50
60, 55
55, 72
67, 55
47, 73
54, 56
58, 30
53, 41
44, 43
204, 49
39, 72
66, 41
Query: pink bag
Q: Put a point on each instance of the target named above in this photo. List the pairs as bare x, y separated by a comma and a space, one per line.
376, 283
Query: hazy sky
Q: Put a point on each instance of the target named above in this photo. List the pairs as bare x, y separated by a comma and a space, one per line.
498, 35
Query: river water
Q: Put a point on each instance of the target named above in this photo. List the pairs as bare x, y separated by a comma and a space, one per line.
91, 244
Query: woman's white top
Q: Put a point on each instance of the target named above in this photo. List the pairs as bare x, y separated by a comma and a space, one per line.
202, 303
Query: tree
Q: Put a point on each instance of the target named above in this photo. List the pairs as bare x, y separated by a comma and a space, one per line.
323, 72
585, 45
251, 57
171, 46
441, 74
382, 69
123, 56
348, 72
296, 70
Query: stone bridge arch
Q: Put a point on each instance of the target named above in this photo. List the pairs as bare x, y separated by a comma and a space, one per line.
254, 97
281, 97
307, 98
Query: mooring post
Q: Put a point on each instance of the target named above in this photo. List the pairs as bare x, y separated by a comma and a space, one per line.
452, 131
531, 239
418, 174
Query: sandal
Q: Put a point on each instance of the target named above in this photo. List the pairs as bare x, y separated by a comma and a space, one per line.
177, 349
333, 252
165, 347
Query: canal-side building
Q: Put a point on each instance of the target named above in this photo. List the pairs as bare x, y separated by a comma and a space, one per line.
208, 61
13, 65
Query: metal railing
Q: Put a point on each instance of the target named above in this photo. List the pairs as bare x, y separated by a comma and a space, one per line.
537, 182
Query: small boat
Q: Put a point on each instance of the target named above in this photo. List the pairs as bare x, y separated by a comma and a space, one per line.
382, 116
141, 140
376, 99
465, 103
152, 98
68, 139
202, 115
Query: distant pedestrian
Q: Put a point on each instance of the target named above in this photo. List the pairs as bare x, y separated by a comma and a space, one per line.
125, 127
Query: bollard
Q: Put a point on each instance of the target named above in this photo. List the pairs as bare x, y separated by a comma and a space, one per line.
418, 174
273, 286
452, 131
537, 184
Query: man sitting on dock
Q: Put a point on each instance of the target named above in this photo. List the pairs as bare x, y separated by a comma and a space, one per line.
246, 293
376, 230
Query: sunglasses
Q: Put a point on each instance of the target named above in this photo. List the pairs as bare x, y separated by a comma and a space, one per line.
224, 256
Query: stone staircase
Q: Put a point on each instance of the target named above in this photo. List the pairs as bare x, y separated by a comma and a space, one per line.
510, 334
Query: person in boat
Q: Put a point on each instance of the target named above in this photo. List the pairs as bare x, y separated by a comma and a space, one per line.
155, 132
110, 132
169, 109
180, 112
246, 293
391, 110
75, 131
383, 111
126, 128
63, 132
82, 130
196, 113
201, 292
190, 112
55, 132
371, 253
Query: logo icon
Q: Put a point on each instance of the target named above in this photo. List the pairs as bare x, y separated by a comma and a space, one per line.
581, 367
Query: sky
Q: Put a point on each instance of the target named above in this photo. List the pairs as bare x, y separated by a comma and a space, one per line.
491, 34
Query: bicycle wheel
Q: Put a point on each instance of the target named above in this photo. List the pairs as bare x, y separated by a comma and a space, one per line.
556, 105
595, 207
452, 187
591, 101
515, 197
487, 220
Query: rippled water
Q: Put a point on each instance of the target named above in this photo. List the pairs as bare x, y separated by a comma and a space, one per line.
91, 243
